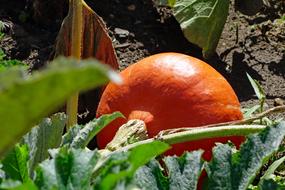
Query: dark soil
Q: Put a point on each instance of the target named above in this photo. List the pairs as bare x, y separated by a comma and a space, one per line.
249, 44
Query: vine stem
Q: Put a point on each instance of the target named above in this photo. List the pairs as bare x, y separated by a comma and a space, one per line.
184, 136
180, 135
237, 122
76, 43
201, 133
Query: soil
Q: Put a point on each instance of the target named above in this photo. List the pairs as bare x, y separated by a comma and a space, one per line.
249, 44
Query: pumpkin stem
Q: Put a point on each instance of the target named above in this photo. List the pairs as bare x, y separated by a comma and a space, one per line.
201, 133
141, 115
129, 133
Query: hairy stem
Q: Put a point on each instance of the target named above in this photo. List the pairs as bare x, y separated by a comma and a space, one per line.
202, 133
270, 111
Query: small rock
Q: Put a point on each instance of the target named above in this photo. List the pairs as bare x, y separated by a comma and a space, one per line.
121, 32
132, 7
279, 102
112, 16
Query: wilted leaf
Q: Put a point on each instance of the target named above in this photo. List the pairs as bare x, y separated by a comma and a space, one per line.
23, 102
235, 171
96, 42
202, 21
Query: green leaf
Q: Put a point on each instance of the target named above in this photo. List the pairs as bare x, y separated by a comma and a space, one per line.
46, 175
69, 136
23, 102
170, 3
70, 169
91, 129
29, 185
184, 171
122, 166
258, 90
235, 171
46, 135
5, 64
2, 173
10, 184
272, 168
151, 177
202, 21
247, 113
270, 184
219, 169
12, 76
15, 164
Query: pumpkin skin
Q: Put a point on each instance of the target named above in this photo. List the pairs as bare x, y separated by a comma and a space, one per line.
167, 91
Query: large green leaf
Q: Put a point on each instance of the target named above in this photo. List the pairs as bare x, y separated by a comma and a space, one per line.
202, 21
151, 177
46, 135
70, 169
122, 166
15, 164
46, 175
24, 100
235, 171
183, 173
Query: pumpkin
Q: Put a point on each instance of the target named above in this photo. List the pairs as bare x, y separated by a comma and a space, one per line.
167, 91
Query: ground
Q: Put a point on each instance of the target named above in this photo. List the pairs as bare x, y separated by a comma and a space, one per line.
249, 44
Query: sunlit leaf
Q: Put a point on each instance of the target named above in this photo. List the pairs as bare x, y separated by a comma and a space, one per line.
235, 171
202, 21
122, 166
28, 99
70, 169
87, 132
272, 168
15, 164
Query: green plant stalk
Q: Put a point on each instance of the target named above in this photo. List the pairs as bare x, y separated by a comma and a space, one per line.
76, 11
201, 133
186, 136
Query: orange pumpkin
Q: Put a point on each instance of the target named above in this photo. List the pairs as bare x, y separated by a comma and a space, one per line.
167, 91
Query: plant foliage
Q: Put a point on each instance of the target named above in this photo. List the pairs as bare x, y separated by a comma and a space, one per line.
26, 99
45, 158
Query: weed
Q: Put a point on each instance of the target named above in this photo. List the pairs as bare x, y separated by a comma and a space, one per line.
6, 63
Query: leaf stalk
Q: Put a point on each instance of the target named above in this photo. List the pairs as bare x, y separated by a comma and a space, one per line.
76, 10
